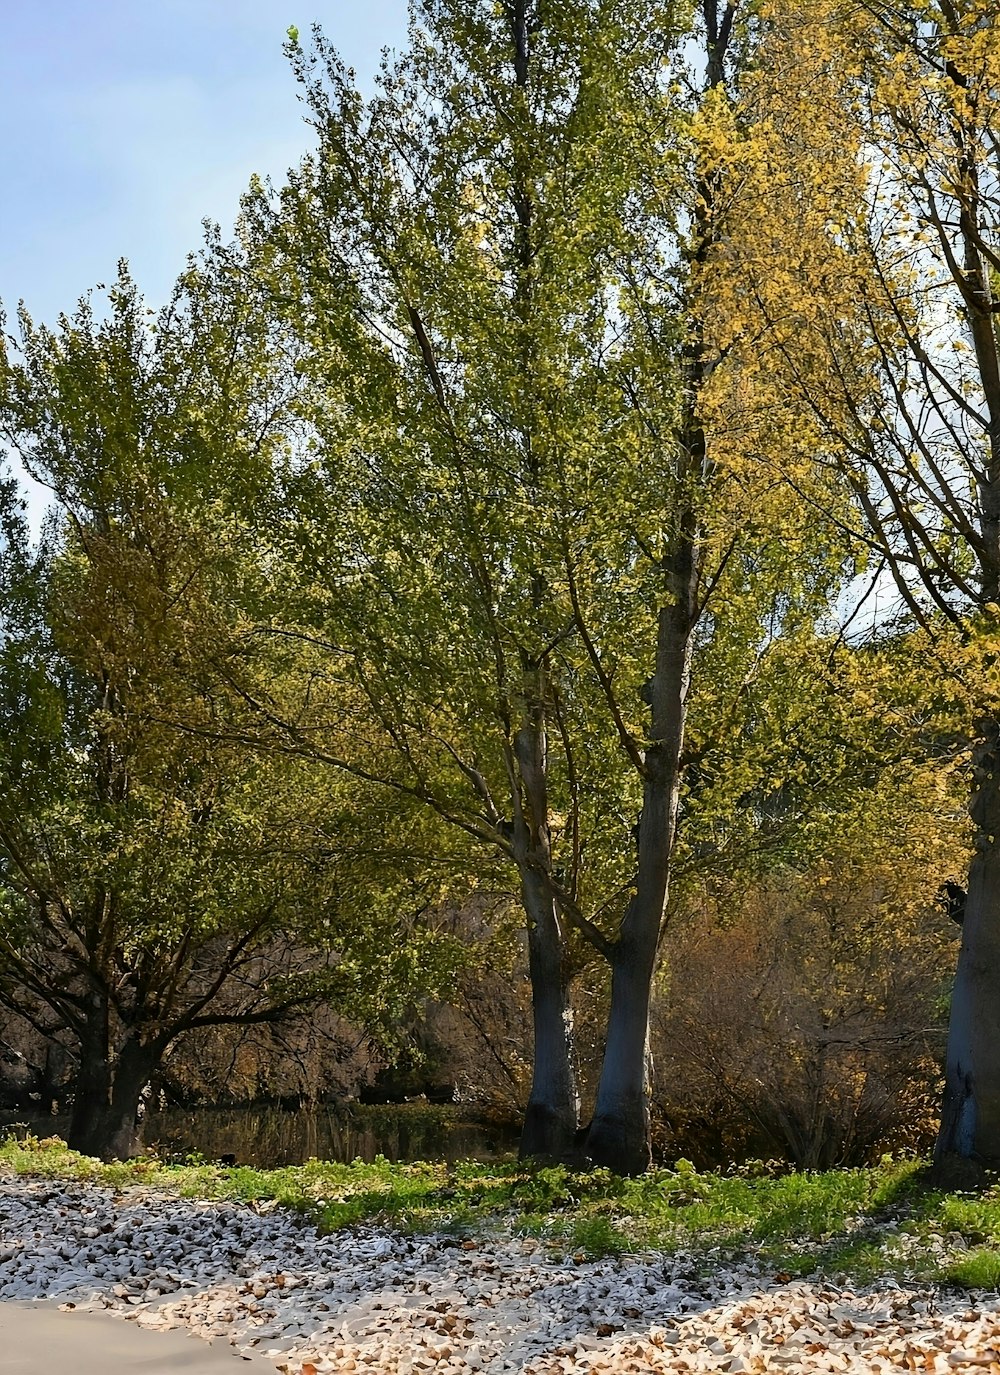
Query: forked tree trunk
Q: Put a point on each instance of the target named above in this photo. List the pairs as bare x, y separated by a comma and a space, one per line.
970, 1117
104, 1121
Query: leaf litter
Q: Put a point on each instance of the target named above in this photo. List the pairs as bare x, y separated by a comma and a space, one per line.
370, 1300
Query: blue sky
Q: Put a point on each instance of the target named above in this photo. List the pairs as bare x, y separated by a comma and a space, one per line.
126, 122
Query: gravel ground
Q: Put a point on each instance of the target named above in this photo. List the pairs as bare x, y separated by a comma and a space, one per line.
369, 1300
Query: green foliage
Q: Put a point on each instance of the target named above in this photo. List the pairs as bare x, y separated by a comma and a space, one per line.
849, 1223
392, 490
546, 1189
488, 459
159, 870
475, 494
596, 1237
465, 444
980, 1269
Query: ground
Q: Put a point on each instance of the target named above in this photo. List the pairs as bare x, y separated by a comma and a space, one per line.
260, 1277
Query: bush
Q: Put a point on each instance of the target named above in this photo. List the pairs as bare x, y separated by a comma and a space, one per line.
791, 1028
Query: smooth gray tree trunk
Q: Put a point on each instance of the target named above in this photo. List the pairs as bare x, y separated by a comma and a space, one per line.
619, 1134
552, 1114
970, 1117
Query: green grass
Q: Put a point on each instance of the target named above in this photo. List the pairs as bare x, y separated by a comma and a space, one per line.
980, 1269
853, 1223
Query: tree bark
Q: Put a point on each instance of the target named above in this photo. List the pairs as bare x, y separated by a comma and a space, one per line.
91, 1099
93, 1083
970, 1116
552, 1114
104, 1121
619, 1135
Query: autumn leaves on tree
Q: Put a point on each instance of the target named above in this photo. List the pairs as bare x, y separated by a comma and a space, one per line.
528, 444
899, 365
512, 344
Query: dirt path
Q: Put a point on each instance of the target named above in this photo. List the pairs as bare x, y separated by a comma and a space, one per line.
37, 1337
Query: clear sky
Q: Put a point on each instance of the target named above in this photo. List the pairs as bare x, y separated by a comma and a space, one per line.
126, 122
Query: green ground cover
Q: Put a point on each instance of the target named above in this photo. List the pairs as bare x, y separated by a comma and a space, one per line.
853, 1224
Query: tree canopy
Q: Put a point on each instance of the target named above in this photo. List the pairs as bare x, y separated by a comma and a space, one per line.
156, 877
489, 512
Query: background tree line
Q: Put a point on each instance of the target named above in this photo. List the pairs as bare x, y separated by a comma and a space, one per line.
493, 515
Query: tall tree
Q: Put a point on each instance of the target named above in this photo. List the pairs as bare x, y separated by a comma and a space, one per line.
513, 533
897, 354
153, 879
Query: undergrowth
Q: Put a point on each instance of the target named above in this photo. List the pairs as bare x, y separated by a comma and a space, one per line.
855, 1224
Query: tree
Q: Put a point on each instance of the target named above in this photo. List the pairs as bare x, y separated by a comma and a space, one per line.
155, 880
511, 531
898, 358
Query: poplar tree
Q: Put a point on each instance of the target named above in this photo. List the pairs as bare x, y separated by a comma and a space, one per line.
513, 528
885, 325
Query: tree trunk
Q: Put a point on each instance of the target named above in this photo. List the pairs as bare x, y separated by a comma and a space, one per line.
552, 1115
91, 1097
93, 1083
104, 1121
970, 1116
619, 1135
